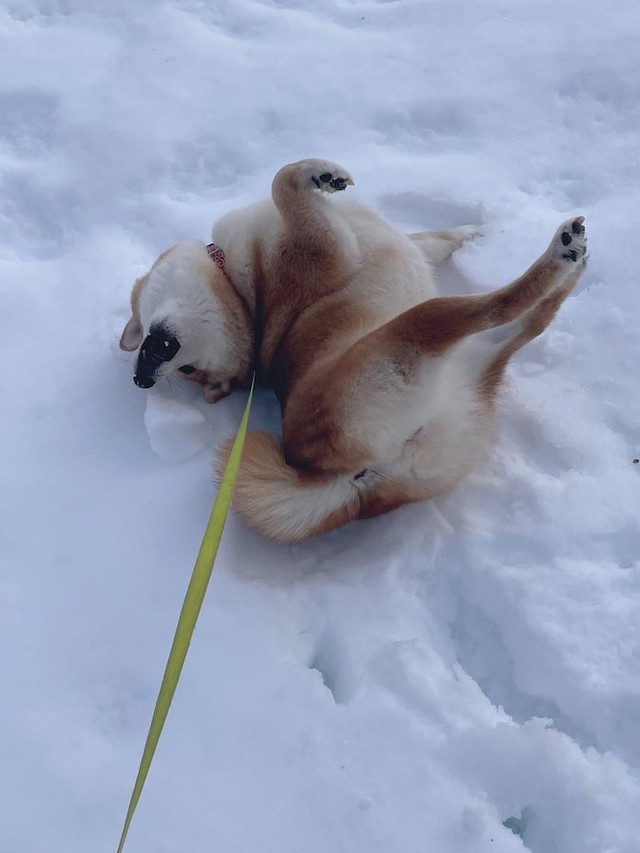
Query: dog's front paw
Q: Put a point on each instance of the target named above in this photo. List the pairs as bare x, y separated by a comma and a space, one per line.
214, 391
331, 182
570, 241
326, 176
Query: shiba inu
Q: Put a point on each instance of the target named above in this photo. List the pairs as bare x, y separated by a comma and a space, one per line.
387, 390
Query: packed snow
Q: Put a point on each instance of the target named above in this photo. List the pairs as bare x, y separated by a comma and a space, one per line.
462, 675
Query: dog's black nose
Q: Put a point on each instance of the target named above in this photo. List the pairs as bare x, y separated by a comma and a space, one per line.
143, 382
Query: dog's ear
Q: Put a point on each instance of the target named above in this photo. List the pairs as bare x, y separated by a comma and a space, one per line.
133, 332
132, 335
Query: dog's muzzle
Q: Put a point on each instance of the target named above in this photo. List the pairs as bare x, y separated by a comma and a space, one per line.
157, 348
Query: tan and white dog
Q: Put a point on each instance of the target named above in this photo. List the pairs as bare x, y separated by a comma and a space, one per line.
387, 391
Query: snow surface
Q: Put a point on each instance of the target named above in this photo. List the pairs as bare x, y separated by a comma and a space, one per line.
405, 685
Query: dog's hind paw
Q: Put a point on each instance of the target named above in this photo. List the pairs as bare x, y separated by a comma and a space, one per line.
570, 241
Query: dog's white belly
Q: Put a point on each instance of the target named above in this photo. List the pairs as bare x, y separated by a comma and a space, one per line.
439, 436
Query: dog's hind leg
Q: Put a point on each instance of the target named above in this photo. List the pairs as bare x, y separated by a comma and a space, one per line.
437, 246
407, 373
530, 325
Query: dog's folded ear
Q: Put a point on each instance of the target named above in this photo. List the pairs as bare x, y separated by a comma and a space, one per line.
133, 332
132, 335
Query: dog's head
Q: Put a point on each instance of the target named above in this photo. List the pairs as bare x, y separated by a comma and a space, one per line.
187, 317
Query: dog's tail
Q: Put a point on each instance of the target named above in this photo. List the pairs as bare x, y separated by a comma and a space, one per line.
282, 502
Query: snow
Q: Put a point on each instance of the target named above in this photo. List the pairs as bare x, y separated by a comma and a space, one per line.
177, 429
403, 685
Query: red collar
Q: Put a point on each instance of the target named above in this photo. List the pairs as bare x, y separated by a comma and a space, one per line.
216, 254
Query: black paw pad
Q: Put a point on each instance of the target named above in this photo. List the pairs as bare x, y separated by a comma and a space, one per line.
566, 238
577, 228
571, 255
327, 178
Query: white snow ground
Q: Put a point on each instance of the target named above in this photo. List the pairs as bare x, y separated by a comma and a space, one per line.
406, 685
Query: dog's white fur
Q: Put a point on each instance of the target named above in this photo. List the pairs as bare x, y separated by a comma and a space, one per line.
387, 391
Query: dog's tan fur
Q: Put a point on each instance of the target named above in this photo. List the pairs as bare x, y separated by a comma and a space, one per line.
387, 391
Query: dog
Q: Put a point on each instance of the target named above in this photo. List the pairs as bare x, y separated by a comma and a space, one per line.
387, 390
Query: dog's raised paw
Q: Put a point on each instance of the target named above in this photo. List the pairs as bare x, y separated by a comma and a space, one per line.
570, 240
329, 183
326, 176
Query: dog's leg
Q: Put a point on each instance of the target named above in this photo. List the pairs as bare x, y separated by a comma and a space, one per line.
312, 258
398, 378
298, 191
531, 324
437, 246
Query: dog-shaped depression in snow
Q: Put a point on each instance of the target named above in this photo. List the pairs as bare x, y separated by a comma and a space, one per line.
387, 390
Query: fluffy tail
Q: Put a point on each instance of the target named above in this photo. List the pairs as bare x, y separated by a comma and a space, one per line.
282, 502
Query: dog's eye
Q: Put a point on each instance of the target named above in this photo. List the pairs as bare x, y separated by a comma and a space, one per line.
161, 344
188, 368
